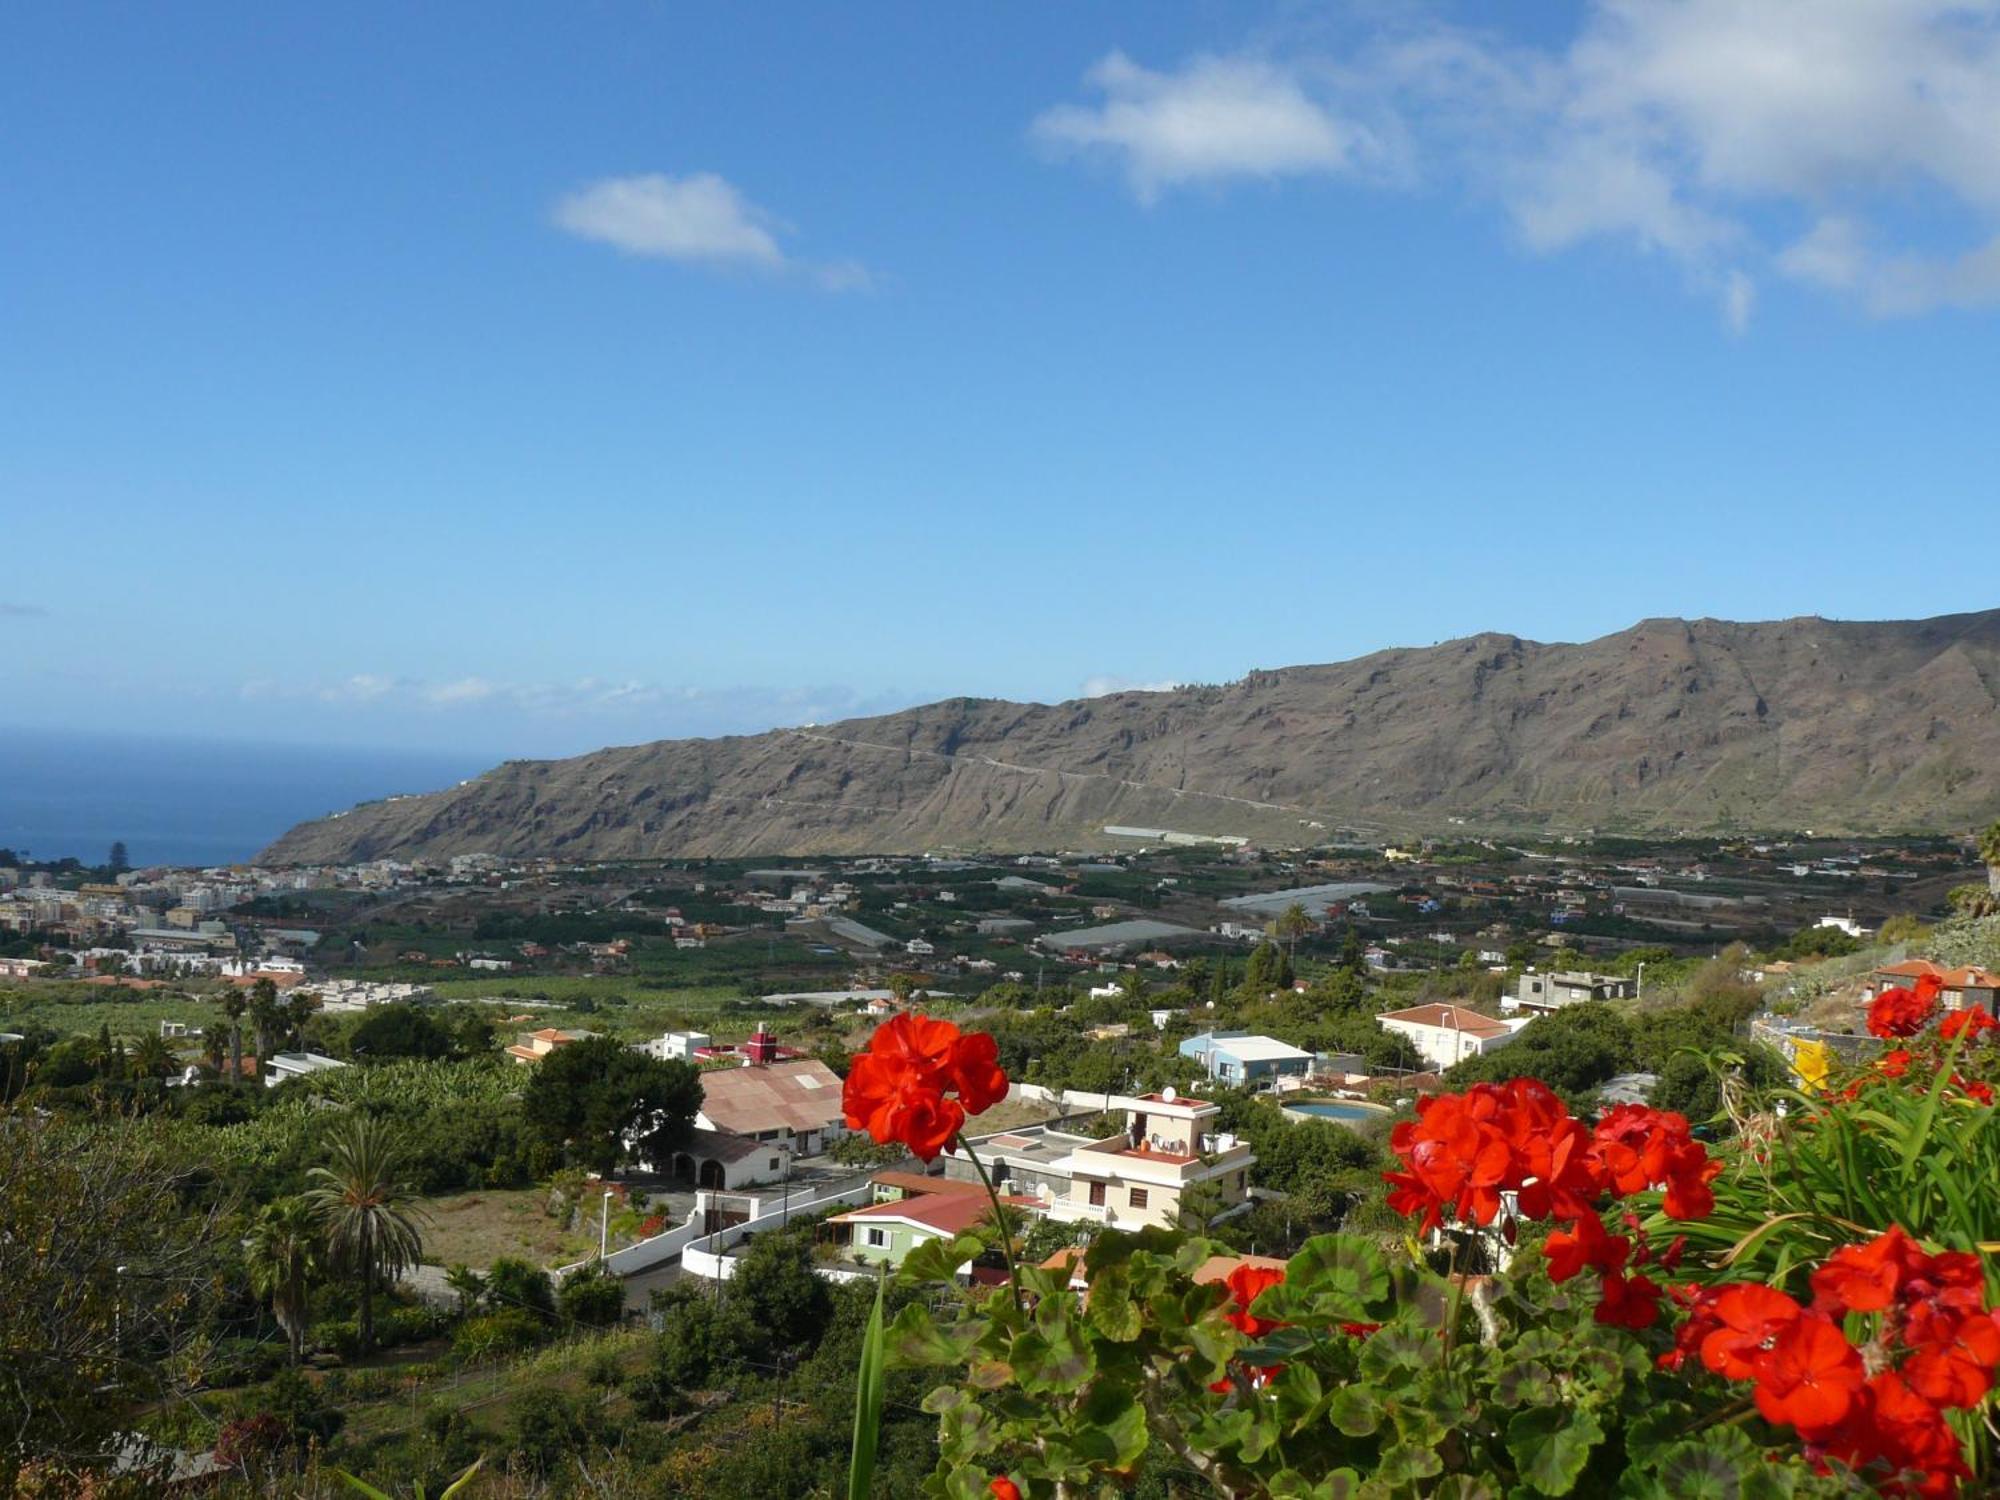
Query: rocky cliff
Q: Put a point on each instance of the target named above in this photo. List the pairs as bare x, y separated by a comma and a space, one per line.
1673, 724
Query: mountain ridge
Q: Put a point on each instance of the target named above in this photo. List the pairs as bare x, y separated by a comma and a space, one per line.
1703, 725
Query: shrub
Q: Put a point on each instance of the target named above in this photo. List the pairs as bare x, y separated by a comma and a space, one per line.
591, 1299
492, 1335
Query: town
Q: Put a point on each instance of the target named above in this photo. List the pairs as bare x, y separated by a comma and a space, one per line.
611, 1084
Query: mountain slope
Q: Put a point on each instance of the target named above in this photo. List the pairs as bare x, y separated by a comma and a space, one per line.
1700, 724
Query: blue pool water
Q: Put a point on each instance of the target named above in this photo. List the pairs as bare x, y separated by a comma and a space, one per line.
1335, 1109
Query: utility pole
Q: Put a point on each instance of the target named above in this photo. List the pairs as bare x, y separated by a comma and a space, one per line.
604, 1227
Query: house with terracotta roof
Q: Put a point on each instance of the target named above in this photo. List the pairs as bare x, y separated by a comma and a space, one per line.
794, 1102
536, 1045
912, 1211
1963, 987
1447, 1034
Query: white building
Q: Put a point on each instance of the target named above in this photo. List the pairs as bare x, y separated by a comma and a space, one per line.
283, 1067
1447, 1034
677, 1046
1137, 1178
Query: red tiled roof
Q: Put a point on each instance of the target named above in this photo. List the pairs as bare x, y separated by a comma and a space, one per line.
1448, 1018
947, 1213
919, 1182
800, 1095
1969, 978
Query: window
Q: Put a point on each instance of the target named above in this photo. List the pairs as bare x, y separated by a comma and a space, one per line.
776, 1163
1097, 1195
1138, 1197
877, 1238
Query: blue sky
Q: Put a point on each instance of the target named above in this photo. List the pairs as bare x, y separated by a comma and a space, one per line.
452, 377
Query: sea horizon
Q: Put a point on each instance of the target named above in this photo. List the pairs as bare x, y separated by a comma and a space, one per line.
180, 801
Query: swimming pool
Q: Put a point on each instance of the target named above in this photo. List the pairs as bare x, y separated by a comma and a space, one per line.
1338, 1109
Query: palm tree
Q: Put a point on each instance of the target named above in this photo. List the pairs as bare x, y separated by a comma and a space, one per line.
469, 1285
366, 1209
284, 1256
300, 1008
233, 1006
265, 1015
1293, 923
1989, 851
150, 1058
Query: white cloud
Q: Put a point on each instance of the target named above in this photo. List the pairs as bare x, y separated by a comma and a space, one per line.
1214, 118
1702, 131
464, 690
21, 611
1105, 684
700, 219
1739, 296
619, 705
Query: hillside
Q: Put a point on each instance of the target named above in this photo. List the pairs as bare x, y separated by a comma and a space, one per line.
1673, 724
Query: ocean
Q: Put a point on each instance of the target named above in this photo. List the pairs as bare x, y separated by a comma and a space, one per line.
189, 802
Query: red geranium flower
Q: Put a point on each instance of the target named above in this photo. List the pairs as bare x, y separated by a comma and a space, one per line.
1246, 1284
1955, 1356
1966, 1023
1893, 1064
1003, 1488
1739, 1322
1810, 1374
897, 1089
1897, 1013
1628, 1301
1863, 1278
1586, 1244
1974, 1088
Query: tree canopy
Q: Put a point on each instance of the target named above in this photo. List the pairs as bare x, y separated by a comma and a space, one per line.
601, 1104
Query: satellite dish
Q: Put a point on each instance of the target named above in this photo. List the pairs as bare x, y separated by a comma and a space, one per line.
1167, 1093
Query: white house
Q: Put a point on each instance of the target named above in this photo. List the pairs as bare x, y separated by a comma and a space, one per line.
1446, 1034
283, 1067
677, 1046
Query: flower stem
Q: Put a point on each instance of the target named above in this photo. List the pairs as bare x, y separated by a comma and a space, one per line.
999, 1214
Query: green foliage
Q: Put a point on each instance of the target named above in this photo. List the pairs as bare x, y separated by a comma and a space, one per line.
1573, 1051
1913, 1152
113, 1257
868, 1401
393, 1031
363, 1204
780, 1293
492, 1335
598, 1102
591, 1299
513, 1284
1379, 1377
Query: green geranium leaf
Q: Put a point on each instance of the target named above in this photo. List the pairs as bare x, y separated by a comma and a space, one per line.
916, 1339
1333, 1278
945, 1398
1403, 1464
1111, 1427
1699, 1471
1387, 1356
1657, 1427
1524, 1383
939, 1260
1355, 1410
1113, 1313
1551, 1445
1053, 1360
